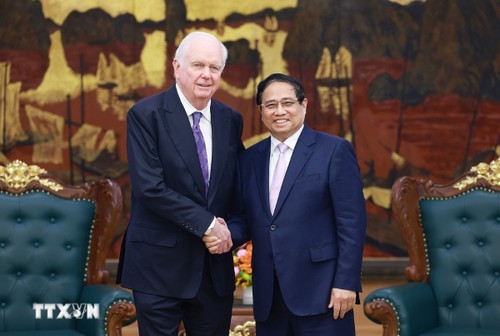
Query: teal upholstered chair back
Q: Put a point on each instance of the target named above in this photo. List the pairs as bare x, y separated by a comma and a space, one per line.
452, 232
462, 246
44, 251
54, 240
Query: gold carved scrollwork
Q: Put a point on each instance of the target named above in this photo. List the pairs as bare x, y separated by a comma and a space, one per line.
18, 175
243, 330
489, 172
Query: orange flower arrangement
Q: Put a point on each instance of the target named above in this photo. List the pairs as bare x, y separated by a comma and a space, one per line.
242, 259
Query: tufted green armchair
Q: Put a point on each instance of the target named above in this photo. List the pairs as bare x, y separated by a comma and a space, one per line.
453, 237
54, 239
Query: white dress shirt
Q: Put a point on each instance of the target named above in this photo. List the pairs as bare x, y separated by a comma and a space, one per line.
291, 142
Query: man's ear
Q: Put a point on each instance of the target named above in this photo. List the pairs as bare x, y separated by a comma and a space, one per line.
175, 65
304, 103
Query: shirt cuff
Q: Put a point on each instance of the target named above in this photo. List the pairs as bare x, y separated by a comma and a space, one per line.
210, 227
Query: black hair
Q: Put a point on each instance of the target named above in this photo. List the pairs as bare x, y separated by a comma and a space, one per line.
279, 77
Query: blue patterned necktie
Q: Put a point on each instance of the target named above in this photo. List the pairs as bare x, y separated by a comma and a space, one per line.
201, 148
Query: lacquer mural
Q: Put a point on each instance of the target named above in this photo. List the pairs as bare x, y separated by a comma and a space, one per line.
414, 85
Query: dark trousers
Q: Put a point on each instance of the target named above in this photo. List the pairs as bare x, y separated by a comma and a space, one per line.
207, 314
283, 322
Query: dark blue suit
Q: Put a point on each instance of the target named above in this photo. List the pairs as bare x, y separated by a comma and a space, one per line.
315, 239
162, 252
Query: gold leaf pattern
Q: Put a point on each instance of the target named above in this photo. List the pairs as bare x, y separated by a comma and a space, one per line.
243, 330
489, 172
18, 175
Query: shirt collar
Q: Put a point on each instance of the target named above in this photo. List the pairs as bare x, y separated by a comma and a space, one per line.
190, 109
291, 142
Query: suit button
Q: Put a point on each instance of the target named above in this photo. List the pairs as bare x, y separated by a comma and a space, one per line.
273, 227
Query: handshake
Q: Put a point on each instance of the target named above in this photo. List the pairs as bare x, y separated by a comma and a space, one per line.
219, 239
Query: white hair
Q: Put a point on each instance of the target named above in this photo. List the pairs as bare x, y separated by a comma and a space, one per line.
179, 53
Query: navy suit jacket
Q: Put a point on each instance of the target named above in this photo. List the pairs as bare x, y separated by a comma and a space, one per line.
314, 241
162, 251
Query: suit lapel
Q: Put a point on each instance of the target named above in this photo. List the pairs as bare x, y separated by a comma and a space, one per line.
300, 155
179, 129
221, 133
261, 165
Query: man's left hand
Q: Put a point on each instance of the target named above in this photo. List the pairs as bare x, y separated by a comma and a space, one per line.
341, 300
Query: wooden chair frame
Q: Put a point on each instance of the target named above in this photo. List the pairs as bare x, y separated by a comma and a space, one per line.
406, 193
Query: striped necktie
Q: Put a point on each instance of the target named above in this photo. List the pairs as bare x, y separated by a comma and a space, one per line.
201, 148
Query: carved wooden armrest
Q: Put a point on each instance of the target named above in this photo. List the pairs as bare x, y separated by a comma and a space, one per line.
117, 315
383, 313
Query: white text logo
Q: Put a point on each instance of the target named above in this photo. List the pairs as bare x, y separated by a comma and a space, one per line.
66, 310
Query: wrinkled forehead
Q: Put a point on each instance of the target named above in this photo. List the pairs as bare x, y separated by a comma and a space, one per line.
203, 50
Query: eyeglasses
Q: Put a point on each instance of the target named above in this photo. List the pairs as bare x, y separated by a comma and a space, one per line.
272, 106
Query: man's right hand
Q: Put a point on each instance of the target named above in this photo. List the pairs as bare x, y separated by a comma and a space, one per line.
219, 240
